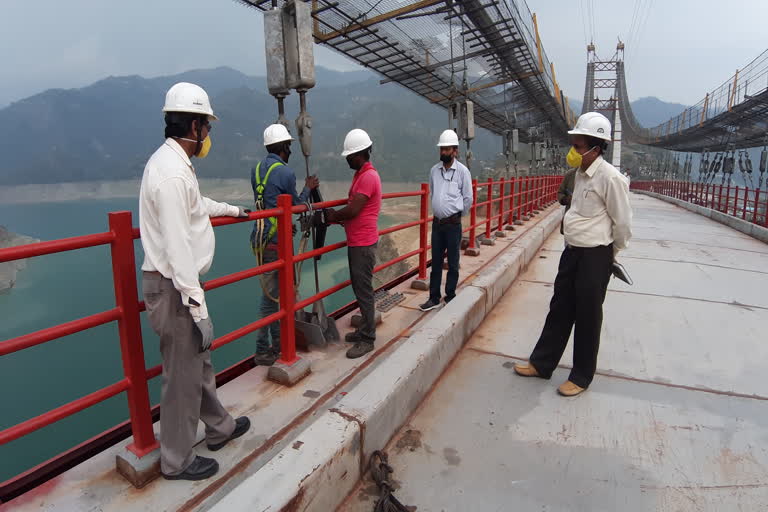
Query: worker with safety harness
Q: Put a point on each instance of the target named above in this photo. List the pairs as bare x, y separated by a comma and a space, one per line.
270, 178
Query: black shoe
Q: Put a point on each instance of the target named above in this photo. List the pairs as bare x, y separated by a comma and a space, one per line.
448, 299
359, 350
267, 358
242, 424
429, 305
200, 469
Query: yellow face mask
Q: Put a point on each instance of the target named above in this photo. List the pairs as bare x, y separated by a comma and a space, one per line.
206, 147
573, 158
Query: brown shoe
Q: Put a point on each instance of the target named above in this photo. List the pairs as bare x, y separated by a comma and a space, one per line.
568, 388
526, 370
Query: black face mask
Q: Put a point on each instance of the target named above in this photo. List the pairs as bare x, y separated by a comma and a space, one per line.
446, 159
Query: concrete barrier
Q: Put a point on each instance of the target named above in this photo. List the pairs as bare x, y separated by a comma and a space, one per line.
736, 223
318, 473
308, 475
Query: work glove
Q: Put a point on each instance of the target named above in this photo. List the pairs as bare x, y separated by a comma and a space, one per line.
242, 212
205, 326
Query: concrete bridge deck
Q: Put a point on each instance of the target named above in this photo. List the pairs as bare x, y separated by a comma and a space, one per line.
675, 420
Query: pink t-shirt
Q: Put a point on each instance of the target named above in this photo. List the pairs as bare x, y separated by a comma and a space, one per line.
363, 230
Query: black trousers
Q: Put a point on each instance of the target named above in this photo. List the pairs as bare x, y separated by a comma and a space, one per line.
580, 286
445, 237
361, 263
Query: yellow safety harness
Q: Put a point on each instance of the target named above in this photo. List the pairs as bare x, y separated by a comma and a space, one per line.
260, 241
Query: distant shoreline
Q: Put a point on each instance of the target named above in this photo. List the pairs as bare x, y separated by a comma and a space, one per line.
10, 269
234, 190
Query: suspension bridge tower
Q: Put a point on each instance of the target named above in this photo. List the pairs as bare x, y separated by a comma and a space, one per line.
603, 75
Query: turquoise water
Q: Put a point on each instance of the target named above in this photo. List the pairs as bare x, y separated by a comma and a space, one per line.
65, 286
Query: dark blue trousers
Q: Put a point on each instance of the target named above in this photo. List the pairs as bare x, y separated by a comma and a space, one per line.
446, 238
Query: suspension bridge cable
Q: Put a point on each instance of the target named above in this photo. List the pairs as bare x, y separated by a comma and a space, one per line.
633, 23
645, 13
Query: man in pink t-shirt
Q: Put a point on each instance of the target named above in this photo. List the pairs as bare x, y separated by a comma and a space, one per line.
360, 218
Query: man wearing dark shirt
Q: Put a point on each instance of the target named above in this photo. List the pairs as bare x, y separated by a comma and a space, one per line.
270, 178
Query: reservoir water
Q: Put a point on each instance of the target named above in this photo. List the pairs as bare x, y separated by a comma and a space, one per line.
65, 286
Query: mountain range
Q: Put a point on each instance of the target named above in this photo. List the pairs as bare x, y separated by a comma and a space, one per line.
107, 130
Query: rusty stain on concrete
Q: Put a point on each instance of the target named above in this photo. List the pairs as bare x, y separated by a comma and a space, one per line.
410, 440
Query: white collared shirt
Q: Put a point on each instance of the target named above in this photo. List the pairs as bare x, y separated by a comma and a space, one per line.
600, 212
450, 189
174, 218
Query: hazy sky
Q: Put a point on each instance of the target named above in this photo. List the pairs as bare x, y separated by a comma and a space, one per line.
685, 48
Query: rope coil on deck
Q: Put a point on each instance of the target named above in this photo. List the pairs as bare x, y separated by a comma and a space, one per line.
380, 472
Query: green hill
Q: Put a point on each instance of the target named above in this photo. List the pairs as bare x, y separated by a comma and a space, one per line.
106, 131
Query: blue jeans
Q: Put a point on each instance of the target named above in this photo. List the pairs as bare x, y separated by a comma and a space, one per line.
271, 284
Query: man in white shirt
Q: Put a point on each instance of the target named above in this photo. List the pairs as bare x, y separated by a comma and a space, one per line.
596, 228
178, 242
450, 187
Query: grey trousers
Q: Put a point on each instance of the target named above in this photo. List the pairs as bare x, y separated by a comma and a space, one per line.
361, 263
189, 384
270, 281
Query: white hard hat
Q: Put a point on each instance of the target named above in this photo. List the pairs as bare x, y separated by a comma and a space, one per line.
276, 133
448, 138
186, 97
593, 124
356, 141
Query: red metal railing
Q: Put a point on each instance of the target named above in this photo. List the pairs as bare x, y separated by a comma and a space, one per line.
749, 204
514, 199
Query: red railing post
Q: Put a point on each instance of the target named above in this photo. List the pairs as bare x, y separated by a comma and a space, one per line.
744, 210
488, 204
720, 198
424, 214
502, 189
529, 196
540, 192
286, 279
757, 203
523, 199
129, 328
735, 201
511, 216
473, 216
